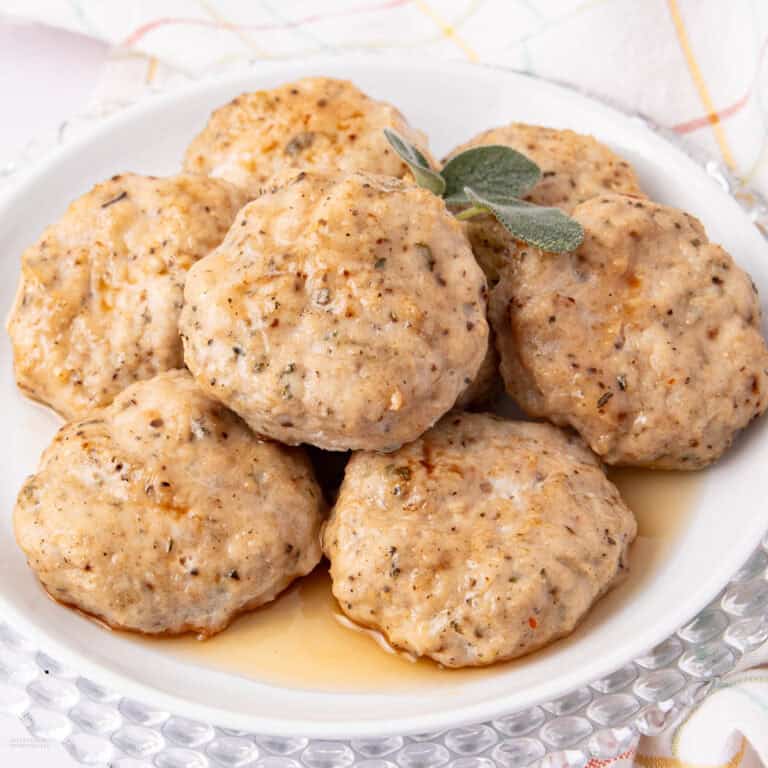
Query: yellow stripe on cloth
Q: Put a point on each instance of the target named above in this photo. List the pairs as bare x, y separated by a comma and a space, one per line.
448, 30
151, 71
700, 83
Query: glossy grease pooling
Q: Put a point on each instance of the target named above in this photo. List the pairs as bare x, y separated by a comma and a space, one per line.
299, 640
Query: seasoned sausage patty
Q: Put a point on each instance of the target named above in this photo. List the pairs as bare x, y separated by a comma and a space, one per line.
574, 168
164, 513
481, 541
313, 123
101, 290
646, 339
342, 311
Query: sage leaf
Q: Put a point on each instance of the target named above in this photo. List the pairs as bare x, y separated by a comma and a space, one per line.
419, 165
546, 228
498, 173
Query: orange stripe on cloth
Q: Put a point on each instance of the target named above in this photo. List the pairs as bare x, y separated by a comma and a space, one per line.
732, 109
597, 762
700, 83
717, 117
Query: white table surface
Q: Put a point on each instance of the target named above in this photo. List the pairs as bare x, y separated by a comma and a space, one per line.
46, 76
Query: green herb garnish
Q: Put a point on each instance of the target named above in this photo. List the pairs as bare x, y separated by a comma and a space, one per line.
494, 172
546, 228
425, 176
492, 179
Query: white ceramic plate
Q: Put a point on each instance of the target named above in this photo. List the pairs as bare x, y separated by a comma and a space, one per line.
450, 102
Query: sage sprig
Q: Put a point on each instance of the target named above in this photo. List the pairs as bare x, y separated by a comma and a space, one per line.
493, 179
493, 172
546, 228
419, 165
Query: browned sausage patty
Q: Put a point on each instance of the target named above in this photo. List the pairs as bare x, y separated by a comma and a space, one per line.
480, 541
646, 339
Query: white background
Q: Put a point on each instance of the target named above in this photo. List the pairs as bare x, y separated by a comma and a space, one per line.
46, 76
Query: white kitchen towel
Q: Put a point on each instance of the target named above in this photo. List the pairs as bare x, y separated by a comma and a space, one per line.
697, 66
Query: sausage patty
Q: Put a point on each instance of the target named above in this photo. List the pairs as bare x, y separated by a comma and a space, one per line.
481, 541
313, 123
164, 513
646, 339
574, 168
344, 311
101, 290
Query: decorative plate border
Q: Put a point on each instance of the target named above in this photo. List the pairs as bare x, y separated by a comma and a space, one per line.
98, 727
